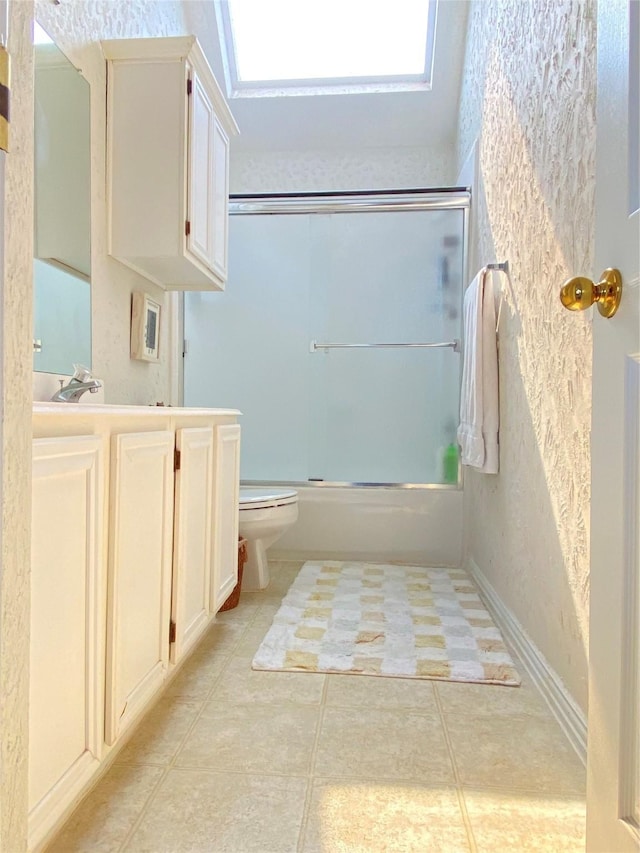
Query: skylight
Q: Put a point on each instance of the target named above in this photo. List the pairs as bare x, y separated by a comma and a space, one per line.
302, 43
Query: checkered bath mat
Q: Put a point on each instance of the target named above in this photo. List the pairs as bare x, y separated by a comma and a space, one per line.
375, 619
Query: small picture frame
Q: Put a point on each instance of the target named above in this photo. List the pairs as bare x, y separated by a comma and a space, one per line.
145, 327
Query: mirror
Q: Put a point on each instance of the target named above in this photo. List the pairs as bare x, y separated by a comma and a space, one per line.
62, 245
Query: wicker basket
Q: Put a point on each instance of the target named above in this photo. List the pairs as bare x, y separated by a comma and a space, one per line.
234, 596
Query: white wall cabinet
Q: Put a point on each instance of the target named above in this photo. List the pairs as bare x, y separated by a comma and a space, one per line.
128, 571
140, 562
66, 695
168, 130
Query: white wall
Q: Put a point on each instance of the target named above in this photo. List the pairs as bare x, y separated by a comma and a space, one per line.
529, 96
335, 171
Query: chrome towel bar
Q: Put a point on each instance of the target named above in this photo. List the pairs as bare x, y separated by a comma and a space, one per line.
314, 346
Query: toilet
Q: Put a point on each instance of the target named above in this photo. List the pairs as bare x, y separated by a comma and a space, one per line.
265, 514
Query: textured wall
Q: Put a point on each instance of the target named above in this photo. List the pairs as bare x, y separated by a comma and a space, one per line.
529, 96
318, 171
15, 337
77, 26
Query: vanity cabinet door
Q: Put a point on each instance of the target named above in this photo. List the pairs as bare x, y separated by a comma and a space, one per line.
139, 582
226, 496
192, 555
66, 701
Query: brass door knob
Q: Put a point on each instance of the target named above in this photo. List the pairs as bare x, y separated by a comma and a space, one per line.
580, 293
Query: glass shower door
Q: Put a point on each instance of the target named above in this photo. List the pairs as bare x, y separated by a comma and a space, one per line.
335, 276
385, 414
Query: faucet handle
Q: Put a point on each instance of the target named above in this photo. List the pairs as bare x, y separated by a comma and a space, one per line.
81, 373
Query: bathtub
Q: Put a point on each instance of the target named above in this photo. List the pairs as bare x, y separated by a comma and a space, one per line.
422, 526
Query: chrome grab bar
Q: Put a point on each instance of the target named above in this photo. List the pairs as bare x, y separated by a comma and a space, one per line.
314, 346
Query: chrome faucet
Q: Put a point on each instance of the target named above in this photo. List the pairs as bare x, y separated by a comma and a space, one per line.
81, 381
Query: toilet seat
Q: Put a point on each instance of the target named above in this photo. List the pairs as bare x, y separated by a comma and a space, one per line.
263, 498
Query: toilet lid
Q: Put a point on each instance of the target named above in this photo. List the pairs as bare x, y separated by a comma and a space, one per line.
262, 496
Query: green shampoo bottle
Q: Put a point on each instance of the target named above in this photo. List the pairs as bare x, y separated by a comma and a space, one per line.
450, 464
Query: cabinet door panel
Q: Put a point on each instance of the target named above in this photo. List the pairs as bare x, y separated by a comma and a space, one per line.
220, 211
66, 707
192, 537
201, 173
226, 499
139, 588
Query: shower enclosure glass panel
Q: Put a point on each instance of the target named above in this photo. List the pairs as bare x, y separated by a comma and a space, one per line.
341, 414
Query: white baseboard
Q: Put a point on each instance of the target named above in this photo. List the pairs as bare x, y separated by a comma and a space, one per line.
570, 717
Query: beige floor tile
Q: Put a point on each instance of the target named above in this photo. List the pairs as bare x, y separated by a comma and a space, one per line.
103, 820
514, 752
160, 733
266, 613
253, 636
206, 812
239, 683
282, 574
361, 817
385, 745
272, 598
493, 699
254, 738
223, 636
251, 599
244, 611
197, 677
355, 691
503, 823
285, 568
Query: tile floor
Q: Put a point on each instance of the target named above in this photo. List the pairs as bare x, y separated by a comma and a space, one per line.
258, 762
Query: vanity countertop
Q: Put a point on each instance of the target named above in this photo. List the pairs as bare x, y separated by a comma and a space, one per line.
115, 410
73, 419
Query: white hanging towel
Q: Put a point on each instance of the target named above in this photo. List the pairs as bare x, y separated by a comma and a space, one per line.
479, 410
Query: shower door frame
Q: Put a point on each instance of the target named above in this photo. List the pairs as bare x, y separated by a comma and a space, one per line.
366, 201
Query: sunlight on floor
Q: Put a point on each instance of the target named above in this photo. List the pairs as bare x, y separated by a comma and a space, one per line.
364, 817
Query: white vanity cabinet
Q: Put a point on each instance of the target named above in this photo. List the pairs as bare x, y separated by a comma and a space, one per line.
140, 563
206, 529
135, 545
67, 648
193, 536
168, 131
225, 545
